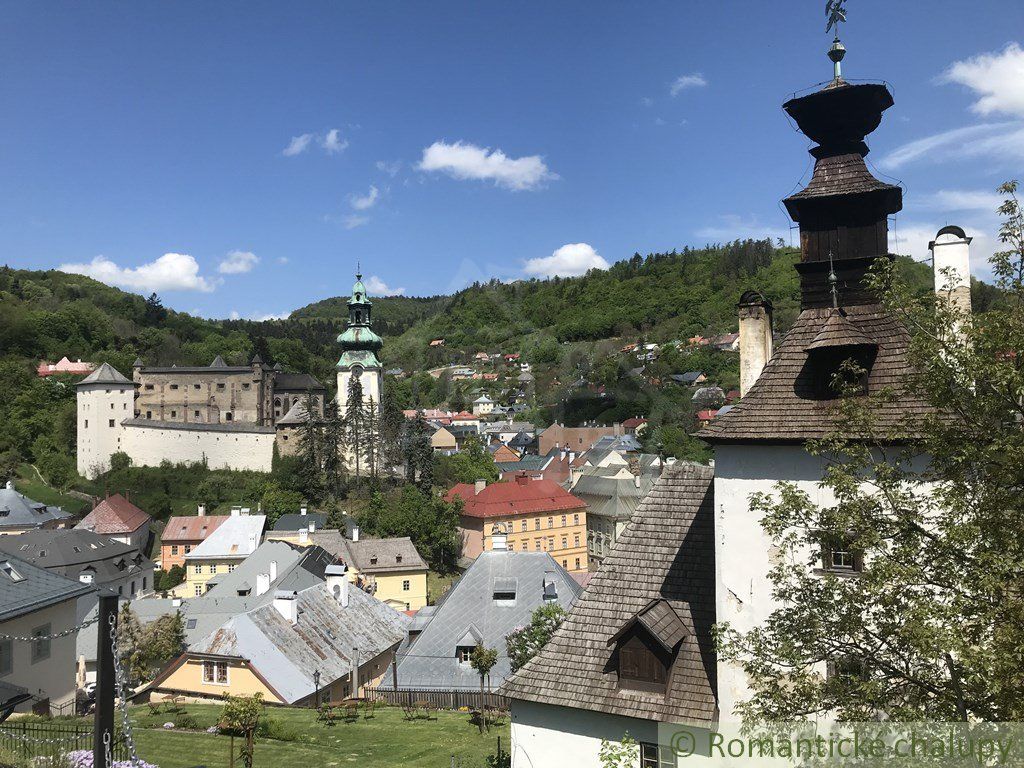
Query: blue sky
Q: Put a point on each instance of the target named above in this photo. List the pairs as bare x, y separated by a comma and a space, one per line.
239, 158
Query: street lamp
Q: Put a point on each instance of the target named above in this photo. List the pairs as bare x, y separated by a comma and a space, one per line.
316, 685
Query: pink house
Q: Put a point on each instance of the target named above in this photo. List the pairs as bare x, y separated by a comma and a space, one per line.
65, 366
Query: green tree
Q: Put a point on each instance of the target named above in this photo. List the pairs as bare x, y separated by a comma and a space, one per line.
483, 660
354, 426
431, 523
470, 464
931, 624
276, 502
523, 643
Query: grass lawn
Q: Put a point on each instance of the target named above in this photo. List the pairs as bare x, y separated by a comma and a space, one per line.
383, 741
28, 483
437, 585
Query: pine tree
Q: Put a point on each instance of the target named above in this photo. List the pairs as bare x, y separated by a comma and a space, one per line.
311, 451
333, 453
354, 426
392, 422
371, 439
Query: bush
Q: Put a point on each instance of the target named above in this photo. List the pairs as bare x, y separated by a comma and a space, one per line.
186, 722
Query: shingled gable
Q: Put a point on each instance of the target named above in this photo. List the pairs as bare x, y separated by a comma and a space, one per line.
114, 515
661, 567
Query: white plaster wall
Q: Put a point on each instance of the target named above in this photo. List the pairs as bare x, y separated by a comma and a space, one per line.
371, 381
149, 446
743, 552
96, 439
53, 677
544, 736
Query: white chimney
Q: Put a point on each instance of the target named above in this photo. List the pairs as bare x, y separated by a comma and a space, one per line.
235, 511
262, 583
355, 533
951, 259
303, 535
480, 485
302, 511
273, 570
246, 510
10, 485
755, 316
499, 538
312, 526
336, 578
176, 602
287, 605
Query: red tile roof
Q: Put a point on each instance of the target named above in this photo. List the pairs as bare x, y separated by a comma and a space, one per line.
523, 495
114, 515
633, 423
191, 527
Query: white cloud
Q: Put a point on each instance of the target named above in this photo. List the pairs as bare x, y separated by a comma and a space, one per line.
963, 200
732, 226
238, 262
568, 261
468, 161
298, 145
683, 82
911, 238
390, 168
647, 101
281, 259
352, 221
171, 272
364, 202
1002, 141
333, 143
378, 287
997, 79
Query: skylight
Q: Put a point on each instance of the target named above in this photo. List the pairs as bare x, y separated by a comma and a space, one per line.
9, 570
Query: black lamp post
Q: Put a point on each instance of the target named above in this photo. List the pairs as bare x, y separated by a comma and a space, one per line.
316, 684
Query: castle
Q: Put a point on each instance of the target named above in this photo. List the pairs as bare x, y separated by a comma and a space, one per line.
227, 416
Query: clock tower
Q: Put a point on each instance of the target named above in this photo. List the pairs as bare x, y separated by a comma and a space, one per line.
359, 348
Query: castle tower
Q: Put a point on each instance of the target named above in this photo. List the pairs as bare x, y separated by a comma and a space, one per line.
105, 400
359, 345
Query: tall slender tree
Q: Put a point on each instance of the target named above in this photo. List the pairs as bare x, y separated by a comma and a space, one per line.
354, 426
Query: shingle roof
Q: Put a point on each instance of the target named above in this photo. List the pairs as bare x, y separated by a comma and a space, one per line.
105, 374
783, 405
302, 381
469, 607
115, 514
296, 415
837, 331
523, 495
25, 587
525, 464
665, 554
323, 639
190, 527
19, 511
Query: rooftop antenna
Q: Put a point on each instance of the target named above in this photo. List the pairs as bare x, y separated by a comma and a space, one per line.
835, 10
833, 282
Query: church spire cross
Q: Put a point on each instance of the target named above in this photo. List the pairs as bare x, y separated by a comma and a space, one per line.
835, 10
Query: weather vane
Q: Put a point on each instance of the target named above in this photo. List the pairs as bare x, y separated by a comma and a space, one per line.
835, 10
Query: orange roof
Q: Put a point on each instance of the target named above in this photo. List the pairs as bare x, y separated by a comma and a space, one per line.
524, 495
191, 527
115, 514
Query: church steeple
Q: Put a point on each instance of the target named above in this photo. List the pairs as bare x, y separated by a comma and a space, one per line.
359, 304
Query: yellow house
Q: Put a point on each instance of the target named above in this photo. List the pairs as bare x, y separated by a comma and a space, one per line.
390, 569
232, 542
275, 649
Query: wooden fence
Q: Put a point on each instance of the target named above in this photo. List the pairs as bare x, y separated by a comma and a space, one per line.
441, 699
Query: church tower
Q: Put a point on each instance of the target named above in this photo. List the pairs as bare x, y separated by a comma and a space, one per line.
359, 348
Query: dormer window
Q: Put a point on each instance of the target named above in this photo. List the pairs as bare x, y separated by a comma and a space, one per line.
840, 357
398, 558
464, 652
9, 570
504, 591
646, 647
838, 555
373, 560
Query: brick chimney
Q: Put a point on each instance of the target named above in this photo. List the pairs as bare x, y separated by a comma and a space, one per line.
479, 486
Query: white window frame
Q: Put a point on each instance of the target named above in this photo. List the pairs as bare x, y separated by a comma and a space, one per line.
211, 672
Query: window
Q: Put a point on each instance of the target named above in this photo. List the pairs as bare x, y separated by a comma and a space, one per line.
195, 386
642, 666
111, 406
522, 527
526, 545
174, 549
840, 556
398, 558
41, 647
220, 386
463, 652
174, 386
575, 519
536, 544
190, 624
576, 540
246, 386
195, 414
188, 548
143, 583
6, 657
86, 423
110, 422
149, 386
849, 668
213, 568
215, 672
406, 586
656, 756
231, 567
577, 563
565, 542
174, 414
228, 416
197, 590
565, 564
563, 521
149, 414
551, 522
551, 542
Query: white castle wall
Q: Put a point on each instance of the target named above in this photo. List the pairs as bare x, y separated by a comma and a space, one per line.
101, 409
241, 449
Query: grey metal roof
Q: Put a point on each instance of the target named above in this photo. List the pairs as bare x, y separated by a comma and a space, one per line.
430, 662
615, 497
299, 381
71, 551
325, 639
196, 426
526, 463
296, 415
295, 521
25, 588
238, 536
105, 374
19, 511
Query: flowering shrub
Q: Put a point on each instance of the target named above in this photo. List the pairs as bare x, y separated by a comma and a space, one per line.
82, 758
213, 729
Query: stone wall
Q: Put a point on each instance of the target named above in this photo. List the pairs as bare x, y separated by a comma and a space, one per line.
212, 396
241, 447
